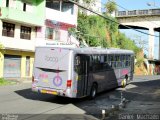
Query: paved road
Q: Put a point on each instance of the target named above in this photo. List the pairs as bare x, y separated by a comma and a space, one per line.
143, 94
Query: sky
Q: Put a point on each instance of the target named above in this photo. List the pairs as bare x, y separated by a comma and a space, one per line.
137, 5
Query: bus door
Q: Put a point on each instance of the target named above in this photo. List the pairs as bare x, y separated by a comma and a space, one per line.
83, 75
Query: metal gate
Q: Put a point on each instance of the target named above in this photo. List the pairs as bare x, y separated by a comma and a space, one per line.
12, 66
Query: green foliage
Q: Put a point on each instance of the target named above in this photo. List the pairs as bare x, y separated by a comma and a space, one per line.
1, 46
97, 31
88, 1
126, 43
110, 6
139, 61
93, 29
5, 82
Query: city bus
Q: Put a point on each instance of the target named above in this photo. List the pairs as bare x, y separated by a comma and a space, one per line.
80, 72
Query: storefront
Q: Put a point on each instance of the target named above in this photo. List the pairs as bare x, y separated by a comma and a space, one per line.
16, 64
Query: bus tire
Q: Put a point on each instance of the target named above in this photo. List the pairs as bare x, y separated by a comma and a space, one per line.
93, 91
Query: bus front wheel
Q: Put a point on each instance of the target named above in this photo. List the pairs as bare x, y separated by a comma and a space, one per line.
93, 91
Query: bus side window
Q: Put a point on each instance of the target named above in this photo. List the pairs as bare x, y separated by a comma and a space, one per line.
110, 60
77, 60
113, 61
118, 61
123, 60
127, 60
98, 63
105, 66
91, 63
103, 62
77, 64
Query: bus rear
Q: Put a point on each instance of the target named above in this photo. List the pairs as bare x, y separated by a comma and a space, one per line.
52, 71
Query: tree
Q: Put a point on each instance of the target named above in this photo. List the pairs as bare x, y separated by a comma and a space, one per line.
110, 7
87, 4
92, 29
97, 31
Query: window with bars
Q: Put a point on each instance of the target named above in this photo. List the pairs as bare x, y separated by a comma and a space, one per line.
25, 33
52, 34
8, 29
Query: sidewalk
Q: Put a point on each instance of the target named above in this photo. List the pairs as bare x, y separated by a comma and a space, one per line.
20, 80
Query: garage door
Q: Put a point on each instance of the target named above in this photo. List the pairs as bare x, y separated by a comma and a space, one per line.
12, 66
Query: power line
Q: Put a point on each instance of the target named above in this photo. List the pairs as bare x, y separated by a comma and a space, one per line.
76, 3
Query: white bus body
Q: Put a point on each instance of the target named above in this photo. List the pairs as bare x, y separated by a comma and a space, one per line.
79, 72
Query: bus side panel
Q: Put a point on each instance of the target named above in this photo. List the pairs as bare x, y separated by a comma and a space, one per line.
112, 78
105, 80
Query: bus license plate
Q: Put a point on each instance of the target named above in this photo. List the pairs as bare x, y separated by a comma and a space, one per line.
49, 92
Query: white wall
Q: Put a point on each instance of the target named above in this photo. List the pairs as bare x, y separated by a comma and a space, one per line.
15, 42
52, 14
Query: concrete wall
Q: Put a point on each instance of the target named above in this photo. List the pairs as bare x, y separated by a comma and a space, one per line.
16, 42
34, 13
52, 14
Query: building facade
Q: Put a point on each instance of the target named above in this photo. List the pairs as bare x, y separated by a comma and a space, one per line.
59, 17
95, 5
25, 24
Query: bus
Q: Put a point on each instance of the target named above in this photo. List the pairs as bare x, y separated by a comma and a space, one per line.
80, 72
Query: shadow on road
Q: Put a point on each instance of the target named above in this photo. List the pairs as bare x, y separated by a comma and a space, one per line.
142, 91
29, 94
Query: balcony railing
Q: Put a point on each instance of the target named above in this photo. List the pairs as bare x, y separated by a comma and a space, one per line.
138, 12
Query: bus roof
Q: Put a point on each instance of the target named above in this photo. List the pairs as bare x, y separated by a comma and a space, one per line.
95, 50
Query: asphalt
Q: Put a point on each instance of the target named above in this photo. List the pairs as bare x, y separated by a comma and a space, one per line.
141, 97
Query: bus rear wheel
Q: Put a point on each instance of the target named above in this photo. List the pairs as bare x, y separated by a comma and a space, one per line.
93, 91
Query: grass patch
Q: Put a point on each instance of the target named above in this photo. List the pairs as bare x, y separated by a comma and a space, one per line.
5, 82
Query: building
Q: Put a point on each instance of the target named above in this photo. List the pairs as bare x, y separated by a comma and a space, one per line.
18, 23
60, 16
25, 24
95, 5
